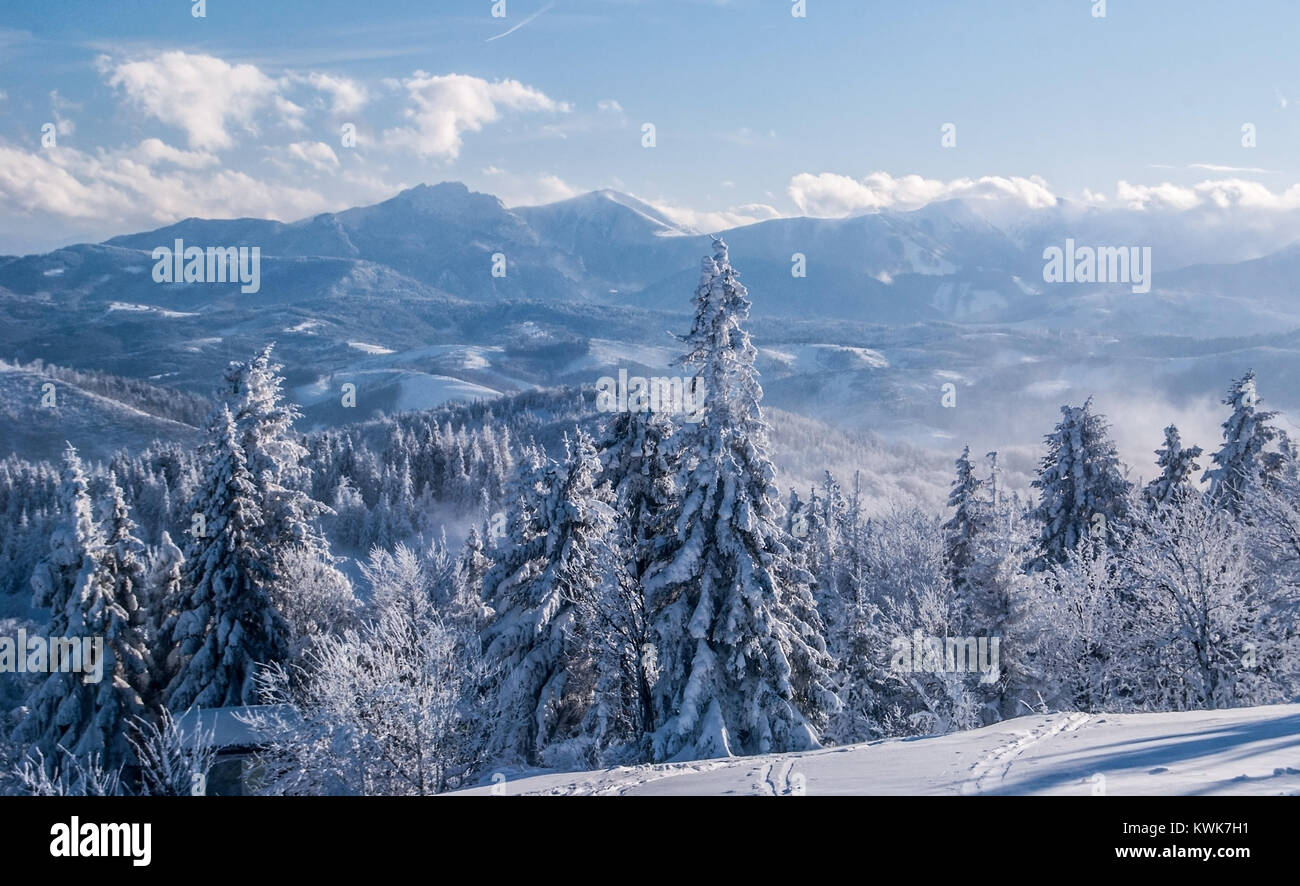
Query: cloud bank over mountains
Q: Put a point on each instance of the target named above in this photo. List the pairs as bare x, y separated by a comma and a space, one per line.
231, 139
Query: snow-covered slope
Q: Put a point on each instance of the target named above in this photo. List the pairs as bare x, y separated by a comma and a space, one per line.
1241, 751
98, 425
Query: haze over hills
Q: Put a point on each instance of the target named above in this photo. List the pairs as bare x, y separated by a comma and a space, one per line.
400, 299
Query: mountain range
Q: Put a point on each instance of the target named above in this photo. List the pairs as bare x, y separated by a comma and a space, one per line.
400, 299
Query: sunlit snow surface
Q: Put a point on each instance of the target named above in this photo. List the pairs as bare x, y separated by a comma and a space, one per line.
1241, 751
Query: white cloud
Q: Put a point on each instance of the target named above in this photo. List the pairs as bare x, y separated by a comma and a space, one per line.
1221, 194
609, 106
514, 190
1248, 195
153, 183
200, 94
445, 107
290, 113
1162, 196
317, 155
716, 220
346, 96
153, 150
831, 195
38, 183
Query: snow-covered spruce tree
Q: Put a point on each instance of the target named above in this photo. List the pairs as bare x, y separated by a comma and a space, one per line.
995, 477
545, 598
264, 429
54, 708
289, 533
113, 612
638, 478
227, 625
635, 467
1246, 435
87, 713
831, 537
741, 660
455, 598
813, 527
968, 513
1177, 464
163, 596
66, 571
472, 564
516, 554
850, 629
999, 599
349, 518
1082, 488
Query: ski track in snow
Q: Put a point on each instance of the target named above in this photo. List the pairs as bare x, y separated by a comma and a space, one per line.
768, 786
991, 771
670, 770
782, 782
620, 780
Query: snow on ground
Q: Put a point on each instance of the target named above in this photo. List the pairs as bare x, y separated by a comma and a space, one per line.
1240, 751
814, 358
606, 354
416, 390
446, 357
423, 391
196, 344
147, 309
367, 348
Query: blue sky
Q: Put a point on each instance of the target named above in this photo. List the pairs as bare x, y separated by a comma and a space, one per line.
159, 115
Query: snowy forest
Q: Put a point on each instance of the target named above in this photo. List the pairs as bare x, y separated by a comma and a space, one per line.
412, 604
